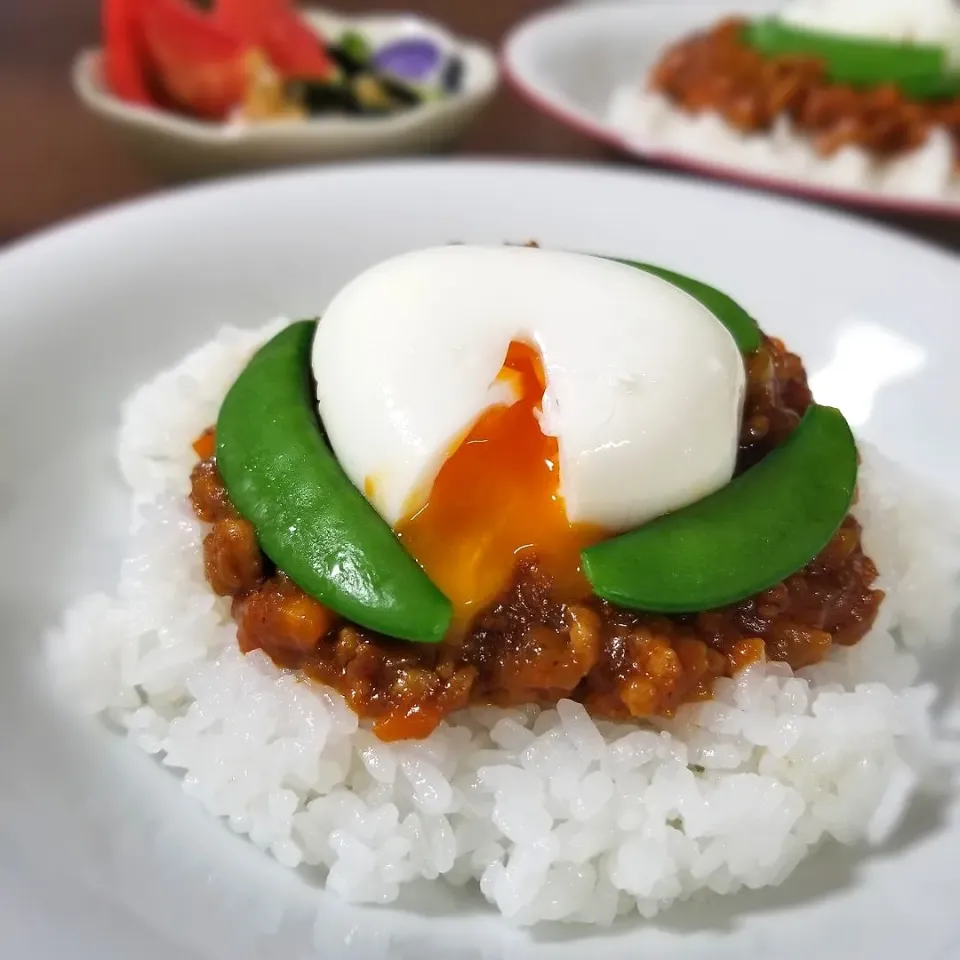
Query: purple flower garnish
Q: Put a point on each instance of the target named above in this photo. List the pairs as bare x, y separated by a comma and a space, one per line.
413, 60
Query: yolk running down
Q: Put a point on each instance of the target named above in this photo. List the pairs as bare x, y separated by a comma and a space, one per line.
496, 501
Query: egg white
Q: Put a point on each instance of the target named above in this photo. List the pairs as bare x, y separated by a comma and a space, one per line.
644, 385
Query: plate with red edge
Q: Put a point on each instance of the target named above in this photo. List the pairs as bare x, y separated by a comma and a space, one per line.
182, 146
102, 855
573, 62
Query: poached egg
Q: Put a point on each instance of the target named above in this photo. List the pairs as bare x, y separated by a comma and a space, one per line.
498, 402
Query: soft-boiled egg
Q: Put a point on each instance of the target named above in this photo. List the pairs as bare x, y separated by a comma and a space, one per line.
500, 402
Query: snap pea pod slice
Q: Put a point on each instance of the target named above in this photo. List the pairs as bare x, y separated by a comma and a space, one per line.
934, 86
311, 521
743, 328
918, 69
761, 527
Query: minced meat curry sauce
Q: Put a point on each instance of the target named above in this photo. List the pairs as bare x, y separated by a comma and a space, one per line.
719, 70
528, 646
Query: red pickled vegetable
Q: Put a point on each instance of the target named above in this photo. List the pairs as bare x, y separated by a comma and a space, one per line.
123, 51
274, 26
202, 67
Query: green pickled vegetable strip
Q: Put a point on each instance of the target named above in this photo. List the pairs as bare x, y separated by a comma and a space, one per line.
310, 519
356, 46
763, 526
918, 69
743, 328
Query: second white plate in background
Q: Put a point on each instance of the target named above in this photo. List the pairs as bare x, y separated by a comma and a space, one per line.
569, 62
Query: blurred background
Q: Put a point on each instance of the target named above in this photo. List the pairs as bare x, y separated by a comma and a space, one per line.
58, 159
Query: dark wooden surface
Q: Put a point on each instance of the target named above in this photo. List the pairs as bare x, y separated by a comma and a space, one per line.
57, 161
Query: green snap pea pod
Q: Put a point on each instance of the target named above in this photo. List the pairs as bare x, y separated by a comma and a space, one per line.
310, 519
919, 69
743, 328
749, 535
935, 86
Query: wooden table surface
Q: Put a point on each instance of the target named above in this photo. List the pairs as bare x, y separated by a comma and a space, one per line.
57, 161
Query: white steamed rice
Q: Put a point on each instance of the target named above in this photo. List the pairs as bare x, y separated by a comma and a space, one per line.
554, 815
651, 123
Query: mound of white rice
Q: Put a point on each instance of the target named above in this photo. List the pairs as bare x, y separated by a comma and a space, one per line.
555, 816
651, 123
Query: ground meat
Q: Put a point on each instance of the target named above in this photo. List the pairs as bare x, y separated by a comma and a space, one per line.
232, 560
530, 647
209, 496
777, 397
718, 71
277, 608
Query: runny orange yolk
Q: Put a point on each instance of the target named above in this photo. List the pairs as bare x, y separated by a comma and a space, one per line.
496, 500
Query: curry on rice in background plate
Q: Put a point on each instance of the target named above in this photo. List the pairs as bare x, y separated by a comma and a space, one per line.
595, 604
846, 93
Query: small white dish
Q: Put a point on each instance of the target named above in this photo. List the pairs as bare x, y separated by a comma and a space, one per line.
183, 147
575, 63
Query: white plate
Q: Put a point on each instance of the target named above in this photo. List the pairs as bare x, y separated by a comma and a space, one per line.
181, 146
101, 855
568, 63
